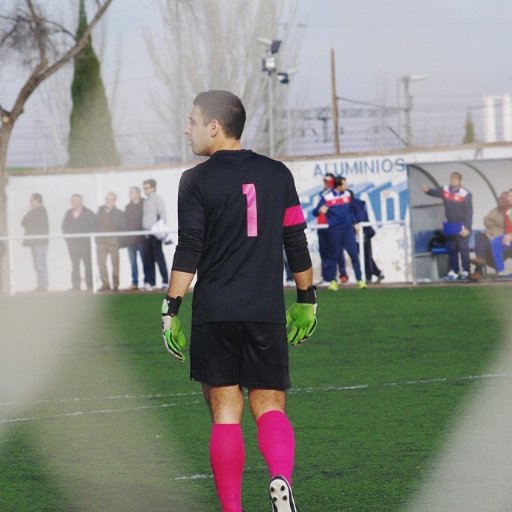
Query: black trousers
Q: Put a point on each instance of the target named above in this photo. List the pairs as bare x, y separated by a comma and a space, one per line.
78, 254
153, 253
458, 244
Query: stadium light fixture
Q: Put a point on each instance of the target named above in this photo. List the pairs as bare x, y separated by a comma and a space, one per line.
284, 76
269, 64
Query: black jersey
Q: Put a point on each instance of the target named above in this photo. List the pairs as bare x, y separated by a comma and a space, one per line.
241, 203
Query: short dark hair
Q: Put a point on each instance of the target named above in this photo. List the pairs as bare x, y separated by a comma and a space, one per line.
150, 182
37, 197
338, 181
458, 174
224, 107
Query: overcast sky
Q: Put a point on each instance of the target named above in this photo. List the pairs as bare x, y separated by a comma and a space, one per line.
463, 46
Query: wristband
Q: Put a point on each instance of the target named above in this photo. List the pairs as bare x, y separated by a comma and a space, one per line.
307, 296
173, 305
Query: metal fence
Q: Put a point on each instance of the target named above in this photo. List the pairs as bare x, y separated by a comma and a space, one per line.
22, 276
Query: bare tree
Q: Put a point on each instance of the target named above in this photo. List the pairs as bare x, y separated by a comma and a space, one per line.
32, 39
213, 45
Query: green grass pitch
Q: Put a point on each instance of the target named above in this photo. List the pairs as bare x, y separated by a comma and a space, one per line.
115, 424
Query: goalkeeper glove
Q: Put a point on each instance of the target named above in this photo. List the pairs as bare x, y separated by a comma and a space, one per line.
172, 334
301, 317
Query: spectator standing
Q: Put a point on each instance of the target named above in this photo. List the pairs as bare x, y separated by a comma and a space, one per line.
340, 209
371, 268
108, 219
458, 207
321, 219
503, 242
152, 211
494, 223
35, 222
79, 219
134, 243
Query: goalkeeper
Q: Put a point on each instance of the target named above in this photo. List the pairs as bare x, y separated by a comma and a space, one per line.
236, 211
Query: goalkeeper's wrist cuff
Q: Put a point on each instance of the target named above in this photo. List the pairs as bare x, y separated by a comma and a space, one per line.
307, 296
173, 305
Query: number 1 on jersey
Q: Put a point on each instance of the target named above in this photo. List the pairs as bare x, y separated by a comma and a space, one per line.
249, 190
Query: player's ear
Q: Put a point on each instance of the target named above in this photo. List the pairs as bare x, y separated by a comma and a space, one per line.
214, 127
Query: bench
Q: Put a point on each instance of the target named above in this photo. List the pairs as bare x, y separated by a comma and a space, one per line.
423, 249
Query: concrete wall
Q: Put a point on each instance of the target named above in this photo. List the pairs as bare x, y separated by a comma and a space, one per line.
381, 180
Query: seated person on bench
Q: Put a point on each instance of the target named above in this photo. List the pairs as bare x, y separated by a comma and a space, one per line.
494, 223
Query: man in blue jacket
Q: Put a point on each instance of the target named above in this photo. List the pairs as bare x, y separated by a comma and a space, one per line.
458, 207
339, 207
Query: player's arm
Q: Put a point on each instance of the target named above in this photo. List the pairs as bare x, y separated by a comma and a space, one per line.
318, 210
301, 316
179, 283
172, 333
304, 280
434, 192
186, 259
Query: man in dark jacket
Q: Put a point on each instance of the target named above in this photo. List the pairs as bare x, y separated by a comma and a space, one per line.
458, 207
134, 243
35, 222
79, 219
370, 267
108, 220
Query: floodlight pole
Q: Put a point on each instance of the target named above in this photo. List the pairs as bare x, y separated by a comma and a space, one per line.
269, 65
271, 115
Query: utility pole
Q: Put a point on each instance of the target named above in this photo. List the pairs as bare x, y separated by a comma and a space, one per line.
335, 116
271, 148
181, 85
408, 104
407, 109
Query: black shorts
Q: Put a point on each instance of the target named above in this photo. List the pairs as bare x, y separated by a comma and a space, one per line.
250, 354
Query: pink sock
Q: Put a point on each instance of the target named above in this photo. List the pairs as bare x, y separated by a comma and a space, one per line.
277, 443
227, 458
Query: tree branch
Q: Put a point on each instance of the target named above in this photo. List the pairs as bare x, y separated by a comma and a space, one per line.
39, 35
40, 73
79, 45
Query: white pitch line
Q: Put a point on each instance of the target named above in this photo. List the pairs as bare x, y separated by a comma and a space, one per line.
88, 413
292, 391
100, 398
193, 477
402, 383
